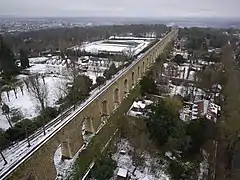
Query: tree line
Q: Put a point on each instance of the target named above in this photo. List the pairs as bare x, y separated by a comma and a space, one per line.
62, 38
8, 64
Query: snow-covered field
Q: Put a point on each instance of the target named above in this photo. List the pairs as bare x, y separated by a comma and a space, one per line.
26, 103
150, 169
115, 47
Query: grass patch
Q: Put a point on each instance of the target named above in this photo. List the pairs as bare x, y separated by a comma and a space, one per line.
93, 151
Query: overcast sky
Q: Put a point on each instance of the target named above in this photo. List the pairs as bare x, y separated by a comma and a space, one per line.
122, 8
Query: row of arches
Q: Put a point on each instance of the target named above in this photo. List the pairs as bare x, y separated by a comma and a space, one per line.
129, 82
86, 131
88, 127
127, 85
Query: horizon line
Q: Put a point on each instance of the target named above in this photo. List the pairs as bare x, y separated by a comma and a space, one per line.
123, 17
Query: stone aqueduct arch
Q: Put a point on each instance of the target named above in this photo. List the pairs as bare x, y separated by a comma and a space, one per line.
133, 78
87, 125
138, 72
125, 84
70, 136
116, 98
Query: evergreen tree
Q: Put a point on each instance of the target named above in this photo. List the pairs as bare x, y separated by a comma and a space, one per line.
108, 73
7, 61
24, 58
148, 86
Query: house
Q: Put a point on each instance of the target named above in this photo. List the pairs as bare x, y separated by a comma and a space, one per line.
198, 109
213, 112
205, 108
139, 108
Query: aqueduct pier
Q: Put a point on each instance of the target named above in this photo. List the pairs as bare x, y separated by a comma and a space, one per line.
40, 163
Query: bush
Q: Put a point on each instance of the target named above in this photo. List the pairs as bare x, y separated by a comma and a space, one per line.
108, 73
178, 59
104, 168
148, 86
100, 80
16, 115
181, 170
50, 113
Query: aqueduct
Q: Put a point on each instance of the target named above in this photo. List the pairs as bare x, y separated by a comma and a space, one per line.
88, 119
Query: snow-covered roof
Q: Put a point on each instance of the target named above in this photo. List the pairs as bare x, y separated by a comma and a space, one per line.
122, 172
38, 59
130, 37
139, 104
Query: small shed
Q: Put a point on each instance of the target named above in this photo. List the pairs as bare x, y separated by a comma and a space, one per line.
122, 174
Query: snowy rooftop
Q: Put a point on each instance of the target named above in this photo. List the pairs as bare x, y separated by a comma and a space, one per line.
122, 172
138, 106
130, 37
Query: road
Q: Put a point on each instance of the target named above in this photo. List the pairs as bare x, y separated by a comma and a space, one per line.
20, 151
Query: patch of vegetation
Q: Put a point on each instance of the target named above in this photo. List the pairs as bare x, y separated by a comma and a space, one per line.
104, 168
181, 171
15, 115
108, 73
77, 91
148, 86
171, 134
7, 60
20, 130
179, 59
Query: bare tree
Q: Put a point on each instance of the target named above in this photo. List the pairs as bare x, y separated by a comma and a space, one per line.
73, 73
39, 92
6, 111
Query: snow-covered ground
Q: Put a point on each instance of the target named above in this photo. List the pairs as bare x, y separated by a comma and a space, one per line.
26, 103
204, 166
64, 167
150, 169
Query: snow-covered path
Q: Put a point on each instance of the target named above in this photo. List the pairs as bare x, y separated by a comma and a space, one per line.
18, 153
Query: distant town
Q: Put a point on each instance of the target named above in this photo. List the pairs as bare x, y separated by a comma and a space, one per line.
12, 25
